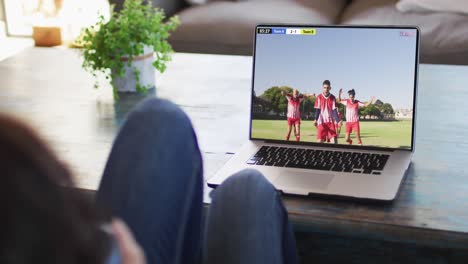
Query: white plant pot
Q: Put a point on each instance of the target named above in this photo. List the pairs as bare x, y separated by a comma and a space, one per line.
144, 64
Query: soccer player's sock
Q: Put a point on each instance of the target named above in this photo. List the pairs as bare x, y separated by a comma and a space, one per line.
349, 141
298, 138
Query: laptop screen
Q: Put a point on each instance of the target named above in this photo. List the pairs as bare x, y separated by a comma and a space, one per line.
345, 85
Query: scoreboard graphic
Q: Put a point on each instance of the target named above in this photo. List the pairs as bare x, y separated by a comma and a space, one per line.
288, 31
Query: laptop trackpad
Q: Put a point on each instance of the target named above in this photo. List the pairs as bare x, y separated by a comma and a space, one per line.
306, 181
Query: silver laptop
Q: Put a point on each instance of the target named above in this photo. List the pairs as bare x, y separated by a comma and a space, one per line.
332, 110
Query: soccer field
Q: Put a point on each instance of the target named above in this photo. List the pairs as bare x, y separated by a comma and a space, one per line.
395, 134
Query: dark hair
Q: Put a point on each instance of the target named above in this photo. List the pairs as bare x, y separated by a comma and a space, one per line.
327, 82
352, 92
43, 219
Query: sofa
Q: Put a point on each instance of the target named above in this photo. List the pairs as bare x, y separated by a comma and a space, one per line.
226, 27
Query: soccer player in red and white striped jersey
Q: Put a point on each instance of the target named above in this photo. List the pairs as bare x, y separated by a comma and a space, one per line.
326, 114
339, 124
294, 113
352, 115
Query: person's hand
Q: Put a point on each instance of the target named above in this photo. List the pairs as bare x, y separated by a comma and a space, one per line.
372, 99
341, 90
315, 122
130, 251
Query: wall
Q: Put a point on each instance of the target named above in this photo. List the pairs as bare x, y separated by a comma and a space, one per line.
2, 14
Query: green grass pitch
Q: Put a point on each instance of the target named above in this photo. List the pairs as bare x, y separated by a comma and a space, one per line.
394, 134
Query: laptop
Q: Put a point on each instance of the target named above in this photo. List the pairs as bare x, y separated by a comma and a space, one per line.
332, 110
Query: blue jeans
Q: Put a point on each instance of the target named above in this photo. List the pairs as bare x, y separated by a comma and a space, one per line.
153, 181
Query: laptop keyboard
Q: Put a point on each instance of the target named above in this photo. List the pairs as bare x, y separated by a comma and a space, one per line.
327, 160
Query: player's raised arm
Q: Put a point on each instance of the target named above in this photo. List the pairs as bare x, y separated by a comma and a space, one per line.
340, 100
371, 101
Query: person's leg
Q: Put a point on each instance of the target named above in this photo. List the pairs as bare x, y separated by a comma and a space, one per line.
348, 138
332, 132
321, 133
288, 134
247, 223
297, 130
358, 134
348, 132
153, 181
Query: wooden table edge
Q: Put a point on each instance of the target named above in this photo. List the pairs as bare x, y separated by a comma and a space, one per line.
380, 231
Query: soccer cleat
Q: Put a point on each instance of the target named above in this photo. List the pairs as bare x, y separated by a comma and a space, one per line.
359, 143
298, 139
349, 141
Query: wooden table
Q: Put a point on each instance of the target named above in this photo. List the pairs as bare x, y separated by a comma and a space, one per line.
48, 89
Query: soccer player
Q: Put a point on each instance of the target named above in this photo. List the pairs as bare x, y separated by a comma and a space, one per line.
326, 114
352, 115
294, 112
338, 124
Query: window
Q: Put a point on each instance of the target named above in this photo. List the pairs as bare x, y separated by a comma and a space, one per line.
70, 15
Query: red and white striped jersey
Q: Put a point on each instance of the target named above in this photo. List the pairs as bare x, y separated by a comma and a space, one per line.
326, 106
352, 109
294, 106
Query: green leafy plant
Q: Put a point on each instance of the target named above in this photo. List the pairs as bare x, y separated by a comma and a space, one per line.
110, 46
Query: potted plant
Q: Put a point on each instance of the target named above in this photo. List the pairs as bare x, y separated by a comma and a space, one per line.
129, 47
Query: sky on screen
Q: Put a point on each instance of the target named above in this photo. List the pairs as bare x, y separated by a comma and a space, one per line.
374, 62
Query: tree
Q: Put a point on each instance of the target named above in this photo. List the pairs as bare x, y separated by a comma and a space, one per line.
387, 109
307, 106
370, 110
363, 112
278, 102
379, 109
378, 103
374, 111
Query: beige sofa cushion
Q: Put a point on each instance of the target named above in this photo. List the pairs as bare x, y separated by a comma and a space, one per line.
199, 2
444, 36
228, 27
455, 6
